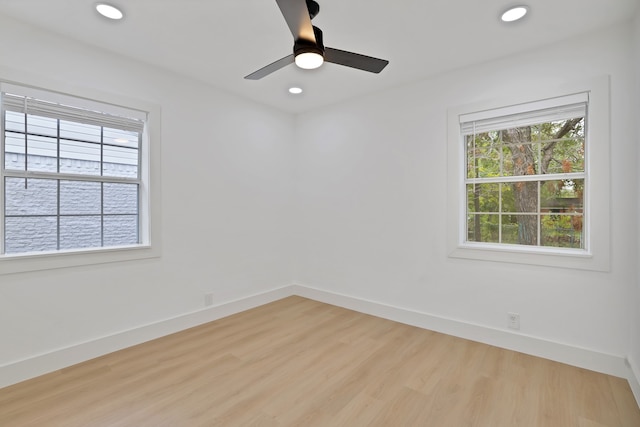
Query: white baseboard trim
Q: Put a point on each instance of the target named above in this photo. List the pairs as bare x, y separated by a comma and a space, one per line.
535, 346
634, 378
31, 367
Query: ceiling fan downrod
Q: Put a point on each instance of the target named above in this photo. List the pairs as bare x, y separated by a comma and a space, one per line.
313, 7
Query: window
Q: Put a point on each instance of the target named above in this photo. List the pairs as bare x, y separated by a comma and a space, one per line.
74, 175
525, 177
529, 181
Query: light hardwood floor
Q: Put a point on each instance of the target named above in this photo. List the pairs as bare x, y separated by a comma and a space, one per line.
297, 362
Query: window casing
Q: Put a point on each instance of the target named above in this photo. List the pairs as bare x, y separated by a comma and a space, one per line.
75, 181
564, 220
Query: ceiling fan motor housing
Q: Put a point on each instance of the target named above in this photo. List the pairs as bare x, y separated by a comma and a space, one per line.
306, 46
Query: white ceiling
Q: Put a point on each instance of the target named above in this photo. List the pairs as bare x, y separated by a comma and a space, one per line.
221, 41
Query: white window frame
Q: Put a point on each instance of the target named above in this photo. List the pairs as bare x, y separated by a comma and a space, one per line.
596, 253
149, 198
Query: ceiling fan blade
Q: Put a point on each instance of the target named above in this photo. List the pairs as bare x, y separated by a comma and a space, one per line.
354, 60
296, 14
274, 66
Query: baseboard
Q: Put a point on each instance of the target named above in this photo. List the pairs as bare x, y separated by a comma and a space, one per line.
61, 358
634, 378
535, 346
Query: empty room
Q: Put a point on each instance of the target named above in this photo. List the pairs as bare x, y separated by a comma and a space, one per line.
319, 213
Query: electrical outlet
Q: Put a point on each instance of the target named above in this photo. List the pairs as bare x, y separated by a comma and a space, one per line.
208, 299
513, 320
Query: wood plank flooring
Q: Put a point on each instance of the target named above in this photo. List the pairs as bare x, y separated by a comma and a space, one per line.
297, 362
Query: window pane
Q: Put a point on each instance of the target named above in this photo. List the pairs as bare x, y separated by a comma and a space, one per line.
568, 156
521, 159
42, 154
80, 197
517, 136
80, 232
520, 229
121, 138
14, 143
31, 196
14, 161
483, 228
37, 125
564, 231
570, 128
30, 234
483, 197
79, 157
536, 132
14, 121
14, 151
120, 230
120, 198
483, 156
120, 161
562, 196
79, 131
520, 196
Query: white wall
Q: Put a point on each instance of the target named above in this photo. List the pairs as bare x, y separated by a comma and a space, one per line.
226, 197
372, 203
634, 356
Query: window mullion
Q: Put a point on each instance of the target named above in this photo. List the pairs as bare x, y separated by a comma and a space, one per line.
140, 183
527, 178
499, 213
501, 153
58, 146
539, 213
58, 215
2, 179
70, 177
101, 186
26, 147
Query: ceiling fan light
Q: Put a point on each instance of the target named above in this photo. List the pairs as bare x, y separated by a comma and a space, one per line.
309, 60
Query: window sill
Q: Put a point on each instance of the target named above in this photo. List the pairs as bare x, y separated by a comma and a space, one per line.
548, 257
20, 263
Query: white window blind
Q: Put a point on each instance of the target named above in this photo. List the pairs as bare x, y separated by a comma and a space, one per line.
549, 110
57, 106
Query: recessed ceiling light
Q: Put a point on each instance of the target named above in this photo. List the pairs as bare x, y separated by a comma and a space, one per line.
514, 13
109, 11
295, 90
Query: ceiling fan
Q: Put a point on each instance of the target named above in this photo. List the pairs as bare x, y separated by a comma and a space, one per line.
308, 48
